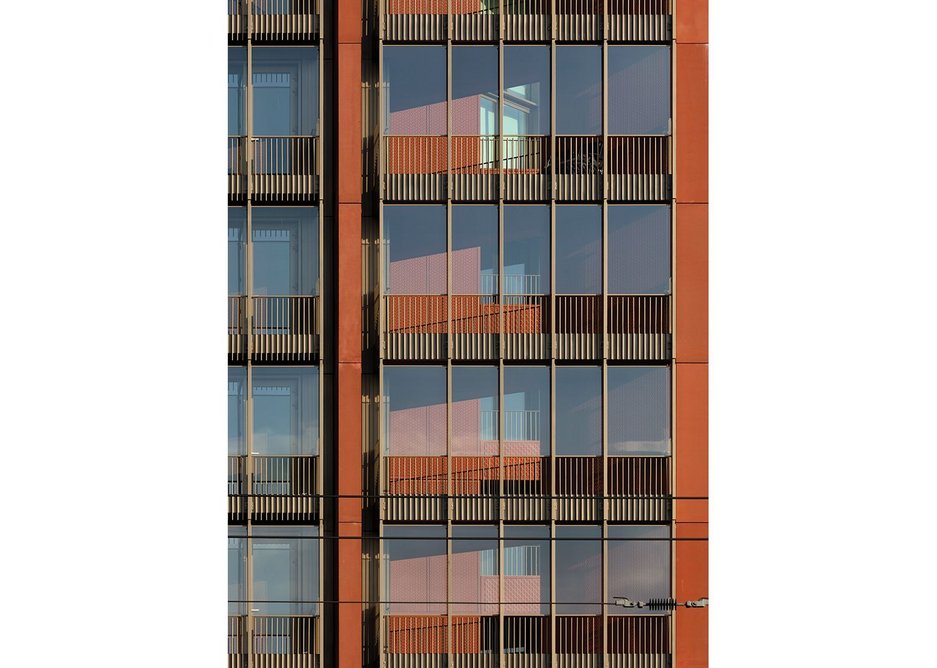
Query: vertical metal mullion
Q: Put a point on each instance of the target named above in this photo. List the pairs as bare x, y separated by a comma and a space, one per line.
673, 324
449, 505
449, 184
553, 504
604, 509
500, 508
381, 486
248, 479
603, 503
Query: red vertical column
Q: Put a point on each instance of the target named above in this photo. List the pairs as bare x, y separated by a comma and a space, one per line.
691, 336
348, 343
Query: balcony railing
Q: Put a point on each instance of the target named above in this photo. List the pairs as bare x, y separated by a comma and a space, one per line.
430, 21
282, 169
280, 487
283, 641
526, 20
634, 641
486, 327
274, 21
518, 487
280, 328
479, 167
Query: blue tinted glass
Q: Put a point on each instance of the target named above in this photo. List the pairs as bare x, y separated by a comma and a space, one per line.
475, 411
286, 91
638, 90
638, 410
286, 411
579, 559
474, 90
578, 411
414, 90
286, 250
578, 90
237, 90
526, 90
286, 570
237, 410
638, 564
639, 250
526, 570
526, 411
474, 250
414, 250
237, 248
414, 569
526, 250
414, 410
578, 249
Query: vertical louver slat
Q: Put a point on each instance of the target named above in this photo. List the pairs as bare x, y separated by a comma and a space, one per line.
639, 168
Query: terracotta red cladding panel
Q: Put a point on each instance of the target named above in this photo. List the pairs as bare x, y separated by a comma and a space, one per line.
691, 21
692, 283
692, 123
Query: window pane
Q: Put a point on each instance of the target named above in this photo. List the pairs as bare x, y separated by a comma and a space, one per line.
526, 411
638, 410
415, 410
286, 411
474, 570
237, 247
578, 411
286, 570
237, 410
526, 250
526, 570
414, 90
237, 90
475, 411
286, 250
414, 250
639, 250
237, 571
578, 250
474, 90
415, 569
638, 564
638, 90
286, 90
526, 90
578, 90
579, 559
475, 250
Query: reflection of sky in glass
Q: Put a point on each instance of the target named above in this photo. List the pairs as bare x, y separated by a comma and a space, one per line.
578, 411
414, 569
639, 250
526, 249
474, 79
475, 410
237, 90
638, 410
474, 249
526, 410
638, 564
286, 90
414, 250
474, 570
414, 90
638, 90
286, 250
579, 560
237, 410
578, 90
415, 410
237, 245
286, 570
526, 90
526, 570
578, 249
286, 410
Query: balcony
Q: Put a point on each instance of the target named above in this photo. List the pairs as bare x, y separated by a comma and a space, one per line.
278, 329
486, 327
474, 489
274, 21
273, 488
438, 20
526, 21
526, 641
284, 641
277, 169
476, 169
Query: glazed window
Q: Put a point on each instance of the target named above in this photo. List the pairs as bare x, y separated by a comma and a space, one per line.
578, 90
638, 90
638, 410
414, 250
639, 250
414, 90
286, 91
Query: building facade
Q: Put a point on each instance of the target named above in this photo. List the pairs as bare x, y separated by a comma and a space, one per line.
467, 332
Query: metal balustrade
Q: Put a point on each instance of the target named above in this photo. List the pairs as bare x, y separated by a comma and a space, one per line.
639, 168
281, 488
578, 20
632, 641
526, 20
437, 20
484, 327
280, 328
274, 21
638, 21
520, 488
478, 168
283, 169
638, 489
274, 641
